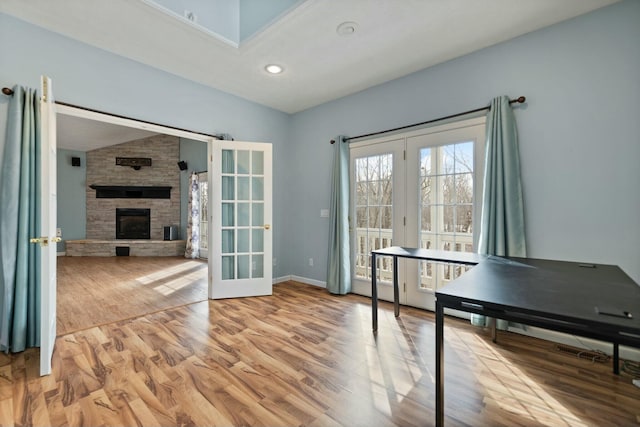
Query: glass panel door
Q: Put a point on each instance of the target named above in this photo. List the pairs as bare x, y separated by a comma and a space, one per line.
377, 211
444, 187
241, 199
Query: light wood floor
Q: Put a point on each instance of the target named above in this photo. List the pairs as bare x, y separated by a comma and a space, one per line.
304, 357
93, 291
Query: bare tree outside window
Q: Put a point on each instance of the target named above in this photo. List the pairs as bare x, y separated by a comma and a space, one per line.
446, 210
374, 197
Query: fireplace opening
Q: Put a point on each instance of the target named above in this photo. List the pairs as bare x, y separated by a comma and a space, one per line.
133, 223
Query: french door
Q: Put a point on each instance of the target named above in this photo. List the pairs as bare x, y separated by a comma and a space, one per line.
48, 219
418, 189
240, 254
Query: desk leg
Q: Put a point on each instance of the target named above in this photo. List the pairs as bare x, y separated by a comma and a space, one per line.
493, 324
616, 359
396, 290
439, 364
374, 294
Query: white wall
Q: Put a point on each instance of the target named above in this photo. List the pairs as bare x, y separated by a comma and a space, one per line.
579, 136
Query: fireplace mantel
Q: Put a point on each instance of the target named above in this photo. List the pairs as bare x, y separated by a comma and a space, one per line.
131, 192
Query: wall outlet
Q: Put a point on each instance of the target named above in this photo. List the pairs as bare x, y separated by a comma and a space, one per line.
324, 213
310, 262
58, 232
274, 261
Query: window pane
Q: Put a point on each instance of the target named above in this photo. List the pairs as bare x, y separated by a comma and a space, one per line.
448, 189
257, 166
464, 188
243, 162
243, 267
361, 217
464, 215
243, 240
427, 187
243, 188
227, 214
257, 188
243, 214
228, 241
448, 159
374, 217
448, 213
258, 266
425, 162
228, 267
464, 157
227, 161
257, 241
425, 219
228, 190
257, 210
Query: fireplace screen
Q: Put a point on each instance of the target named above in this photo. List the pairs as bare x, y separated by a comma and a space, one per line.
133, 223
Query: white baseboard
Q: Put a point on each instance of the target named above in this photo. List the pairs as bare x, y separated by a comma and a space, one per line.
64, 253
628, 353
308, 281
281, 279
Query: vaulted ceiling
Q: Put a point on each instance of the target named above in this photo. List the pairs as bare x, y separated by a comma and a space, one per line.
383, 40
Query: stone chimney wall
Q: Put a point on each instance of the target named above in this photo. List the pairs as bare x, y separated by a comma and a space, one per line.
164, 151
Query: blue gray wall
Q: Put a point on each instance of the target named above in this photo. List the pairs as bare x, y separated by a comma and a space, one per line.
579, 136
72, 196
84, 75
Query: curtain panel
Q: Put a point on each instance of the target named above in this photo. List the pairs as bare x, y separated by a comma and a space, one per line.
192, 249
19, 221
339, 254
502, 229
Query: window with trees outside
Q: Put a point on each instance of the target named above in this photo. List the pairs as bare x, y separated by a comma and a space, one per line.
446, 208
416, 189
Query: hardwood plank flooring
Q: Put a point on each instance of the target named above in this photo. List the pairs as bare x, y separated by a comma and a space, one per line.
303, 357
94, 291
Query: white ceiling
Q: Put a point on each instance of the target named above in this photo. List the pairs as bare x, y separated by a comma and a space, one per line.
394, 38
81, 134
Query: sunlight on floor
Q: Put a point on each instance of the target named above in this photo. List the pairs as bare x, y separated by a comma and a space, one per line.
185, 274
396, 367
509, 387
170, 271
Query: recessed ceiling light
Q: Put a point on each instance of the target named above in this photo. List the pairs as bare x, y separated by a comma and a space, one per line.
347, 28
274, 69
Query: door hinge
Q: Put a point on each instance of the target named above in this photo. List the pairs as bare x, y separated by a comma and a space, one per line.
404, 286
404, 221
404, 154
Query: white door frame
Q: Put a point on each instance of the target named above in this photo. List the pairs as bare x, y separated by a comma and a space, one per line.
48, 224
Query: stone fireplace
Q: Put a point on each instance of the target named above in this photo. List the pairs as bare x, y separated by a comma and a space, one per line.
129, 206
133, 223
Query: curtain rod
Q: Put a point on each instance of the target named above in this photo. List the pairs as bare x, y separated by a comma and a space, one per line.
9, 92
518, 100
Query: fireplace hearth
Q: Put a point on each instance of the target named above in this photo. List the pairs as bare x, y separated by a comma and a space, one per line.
132, 223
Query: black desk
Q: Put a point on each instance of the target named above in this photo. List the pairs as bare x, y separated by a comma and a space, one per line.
556, 295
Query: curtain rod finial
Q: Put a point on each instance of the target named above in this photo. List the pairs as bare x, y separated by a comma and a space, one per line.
7, 91
333, 141
521, 99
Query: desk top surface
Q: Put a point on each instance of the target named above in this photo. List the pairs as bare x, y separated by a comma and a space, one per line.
432, 255
565, 290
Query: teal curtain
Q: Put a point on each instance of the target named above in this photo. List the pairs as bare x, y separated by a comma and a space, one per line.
19, 221
502, 224
339, 256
